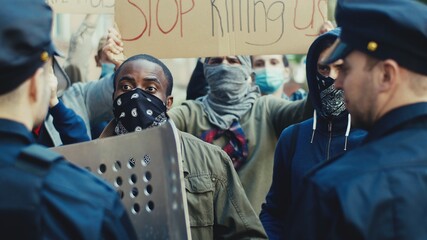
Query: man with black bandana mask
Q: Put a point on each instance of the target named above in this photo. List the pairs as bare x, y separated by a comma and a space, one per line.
217, 204
143, 111
331, 99
303, 145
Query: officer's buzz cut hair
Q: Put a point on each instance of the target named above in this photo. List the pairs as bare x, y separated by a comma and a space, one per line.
154, 60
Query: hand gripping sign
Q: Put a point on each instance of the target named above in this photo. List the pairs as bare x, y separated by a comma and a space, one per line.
145, 168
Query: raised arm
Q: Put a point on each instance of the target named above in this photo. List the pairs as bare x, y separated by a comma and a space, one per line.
284, 113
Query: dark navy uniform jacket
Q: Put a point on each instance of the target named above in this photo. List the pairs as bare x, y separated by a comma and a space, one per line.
42, 196
376, 191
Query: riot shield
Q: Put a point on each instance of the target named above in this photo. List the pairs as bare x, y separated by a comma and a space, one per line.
145, 169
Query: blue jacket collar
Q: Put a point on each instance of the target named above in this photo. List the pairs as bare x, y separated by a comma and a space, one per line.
395, 118
9, 127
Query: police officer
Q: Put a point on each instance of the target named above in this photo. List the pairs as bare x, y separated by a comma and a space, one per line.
379, 190
42, 196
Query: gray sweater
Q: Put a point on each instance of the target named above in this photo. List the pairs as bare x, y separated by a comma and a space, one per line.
92, 101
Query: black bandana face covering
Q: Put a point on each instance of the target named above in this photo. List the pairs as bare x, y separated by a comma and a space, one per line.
137, 110
332, 99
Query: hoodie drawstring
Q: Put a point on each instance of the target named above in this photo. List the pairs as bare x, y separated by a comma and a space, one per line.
347, 132
314, 125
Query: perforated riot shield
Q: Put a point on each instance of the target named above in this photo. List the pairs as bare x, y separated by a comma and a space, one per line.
145, 168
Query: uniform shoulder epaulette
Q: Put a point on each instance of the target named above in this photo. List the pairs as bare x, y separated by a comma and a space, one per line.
37, 159
40, 153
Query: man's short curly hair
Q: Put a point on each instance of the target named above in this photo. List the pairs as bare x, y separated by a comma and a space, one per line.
154, 60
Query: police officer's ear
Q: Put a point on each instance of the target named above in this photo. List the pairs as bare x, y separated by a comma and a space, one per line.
389, 76
35, 84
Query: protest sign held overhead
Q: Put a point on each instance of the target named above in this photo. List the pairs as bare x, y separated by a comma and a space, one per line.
190, 28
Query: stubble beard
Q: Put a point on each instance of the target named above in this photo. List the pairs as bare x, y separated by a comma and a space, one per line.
363, 115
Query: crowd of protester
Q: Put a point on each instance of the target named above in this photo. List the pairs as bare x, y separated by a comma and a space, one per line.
343, 159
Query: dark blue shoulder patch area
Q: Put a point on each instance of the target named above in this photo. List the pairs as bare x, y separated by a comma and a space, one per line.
40, 153
37, 159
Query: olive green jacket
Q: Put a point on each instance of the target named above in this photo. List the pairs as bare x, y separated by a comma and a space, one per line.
262, 126
217, 204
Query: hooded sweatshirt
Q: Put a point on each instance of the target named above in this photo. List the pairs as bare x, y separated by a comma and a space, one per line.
304, 145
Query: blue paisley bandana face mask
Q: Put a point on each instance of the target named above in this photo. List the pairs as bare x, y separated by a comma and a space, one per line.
331, 98
137, 110
269, 80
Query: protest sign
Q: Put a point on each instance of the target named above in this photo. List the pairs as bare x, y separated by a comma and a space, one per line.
82, 6
190, 28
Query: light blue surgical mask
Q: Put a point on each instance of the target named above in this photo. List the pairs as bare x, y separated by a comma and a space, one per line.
269, 80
